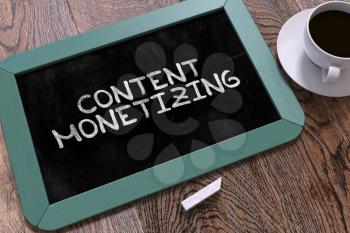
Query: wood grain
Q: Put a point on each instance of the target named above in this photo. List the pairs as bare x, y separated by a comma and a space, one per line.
90, 14
299, 187
29, 24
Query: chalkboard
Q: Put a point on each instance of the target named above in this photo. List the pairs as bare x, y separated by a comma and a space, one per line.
100, 116
83, 165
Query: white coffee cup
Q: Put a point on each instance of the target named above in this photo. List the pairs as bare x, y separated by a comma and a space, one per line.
330, 64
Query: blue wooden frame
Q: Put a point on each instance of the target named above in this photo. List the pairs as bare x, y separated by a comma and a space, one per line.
29, 182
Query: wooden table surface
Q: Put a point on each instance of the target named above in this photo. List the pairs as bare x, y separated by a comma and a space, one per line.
303, 186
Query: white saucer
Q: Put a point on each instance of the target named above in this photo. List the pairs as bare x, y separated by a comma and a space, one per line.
290, 49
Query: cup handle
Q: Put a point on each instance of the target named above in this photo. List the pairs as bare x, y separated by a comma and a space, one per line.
331, 74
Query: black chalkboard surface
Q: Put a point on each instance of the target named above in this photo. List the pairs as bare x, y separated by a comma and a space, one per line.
50, 97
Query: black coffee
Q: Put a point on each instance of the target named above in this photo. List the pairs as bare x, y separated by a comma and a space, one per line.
331, 32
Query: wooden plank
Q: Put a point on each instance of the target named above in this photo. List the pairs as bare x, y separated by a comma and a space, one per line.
124, 219
29, 24
90, 14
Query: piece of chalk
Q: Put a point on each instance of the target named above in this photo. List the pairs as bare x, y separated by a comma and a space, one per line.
201, 195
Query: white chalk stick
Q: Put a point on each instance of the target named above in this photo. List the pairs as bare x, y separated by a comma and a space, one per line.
201, 195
